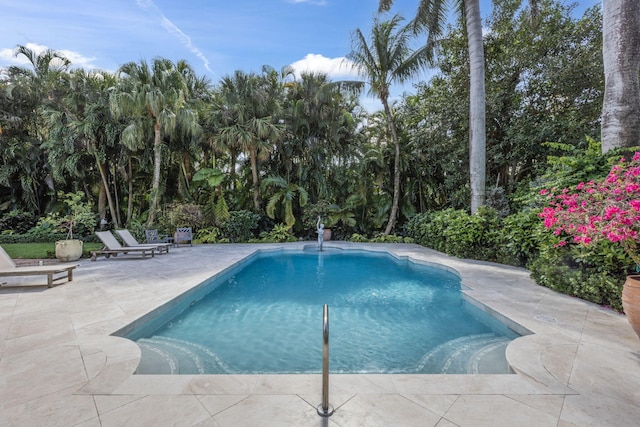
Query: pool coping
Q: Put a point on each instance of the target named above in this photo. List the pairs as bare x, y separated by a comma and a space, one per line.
242, 383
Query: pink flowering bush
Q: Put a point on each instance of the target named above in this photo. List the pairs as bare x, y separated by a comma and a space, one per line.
600, 210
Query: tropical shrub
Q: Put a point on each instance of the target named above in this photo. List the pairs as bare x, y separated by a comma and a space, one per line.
137, 229
46, 226
240, 226
390, 238
594, 230
280, 233
17, 222
418, 227
594, 272
181, 215
580, 271
607, 209
359, 238
310, 216
521, 235
457, 233
208, 235
77, 216
74, 216
381, 238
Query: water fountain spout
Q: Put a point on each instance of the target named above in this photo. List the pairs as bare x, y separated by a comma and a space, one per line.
320, 231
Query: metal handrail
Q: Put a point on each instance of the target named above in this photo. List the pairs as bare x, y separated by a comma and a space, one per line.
325, 409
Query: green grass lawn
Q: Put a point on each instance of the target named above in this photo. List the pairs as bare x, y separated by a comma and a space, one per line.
42, 250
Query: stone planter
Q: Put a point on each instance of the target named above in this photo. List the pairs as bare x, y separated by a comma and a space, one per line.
326, 234
69, 250
631, 301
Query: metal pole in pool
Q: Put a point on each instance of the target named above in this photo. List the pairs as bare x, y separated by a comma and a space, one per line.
325, 410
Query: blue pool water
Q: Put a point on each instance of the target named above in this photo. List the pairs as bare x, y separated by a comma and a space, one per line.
385, 316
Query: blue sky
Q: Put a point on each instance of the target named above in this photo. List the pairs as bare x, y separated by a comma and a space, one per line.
216, 37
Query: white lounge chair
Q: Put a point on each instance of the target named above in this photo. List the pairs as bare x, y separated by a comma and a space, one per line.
113, 247
131, 242
8, 268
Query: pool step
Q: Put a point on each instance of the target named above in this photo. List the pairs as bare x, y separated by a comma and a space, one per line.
162, 355
474, 354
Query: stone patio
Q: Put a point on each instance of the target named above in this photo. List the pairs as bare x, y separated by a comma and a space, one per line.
60, 366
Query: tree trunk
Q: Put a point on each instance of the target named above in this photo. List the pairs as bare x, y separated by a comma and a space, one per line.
105, 184
396, 169
102, 201
232, 166
621, 57
130, 198
477, 109
256, 182
157, 163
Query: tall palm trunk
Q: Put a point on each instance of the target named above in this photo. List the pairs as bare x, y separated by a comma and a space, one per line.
157, 163
396, 168
256, 182
233, 155
130, 198
621, 56
477, 108
105, 184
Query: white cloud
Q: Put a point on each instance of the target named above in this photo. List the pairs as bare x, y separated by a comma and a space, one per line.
333, 67
7, 56
370, 104
77, 59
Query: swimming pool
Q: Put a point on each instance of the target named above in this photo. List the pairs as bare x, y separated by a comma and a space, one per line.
265, 316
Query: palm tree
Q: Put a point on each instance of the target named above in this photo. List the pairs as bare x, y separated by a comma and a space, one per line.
248, 121
28, 92
156, 97
432, 16
284, 194
47, 67
387, 59
621, 103
319, 122
82, 118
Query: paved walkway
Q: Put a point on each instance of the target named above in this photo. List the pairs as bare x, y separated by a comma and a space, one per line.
59, 366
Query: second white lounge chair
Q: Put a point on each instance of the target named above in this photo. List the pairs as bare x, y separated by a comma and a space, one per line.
131, 242
113, 247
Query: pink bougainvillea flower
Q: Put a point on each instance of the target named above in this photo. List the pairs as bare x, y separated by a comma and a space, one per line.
608, 209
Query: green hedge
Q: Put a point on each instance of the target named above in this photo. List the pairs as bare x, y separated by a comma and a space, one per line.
594, 273
29, 238
513, 240
42, 238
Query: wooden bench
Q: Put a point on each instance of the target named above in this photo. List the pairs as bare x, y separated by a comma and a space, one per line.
42, 270
8, 268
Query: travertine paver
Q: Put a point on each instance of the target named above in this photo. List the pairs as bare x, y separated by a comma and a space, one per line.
59, 366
